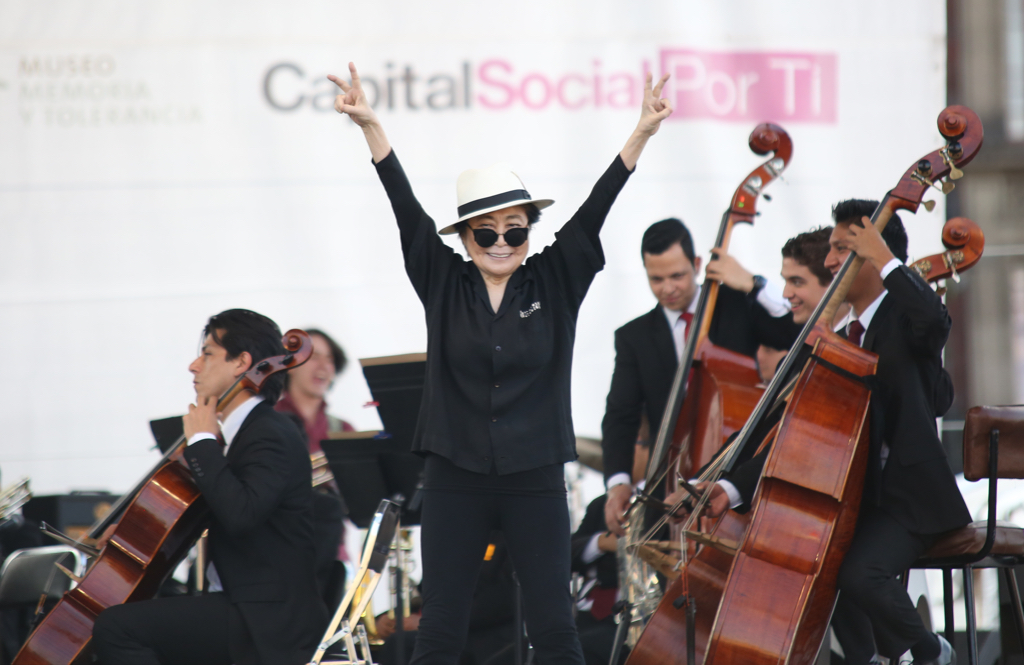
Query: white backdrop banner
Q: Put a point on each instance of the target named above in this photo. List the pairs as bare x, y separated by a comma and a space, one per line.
164, 161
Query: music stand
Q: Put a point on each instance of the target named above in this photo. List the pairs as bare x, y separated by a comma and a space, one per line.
370, 466
167, 431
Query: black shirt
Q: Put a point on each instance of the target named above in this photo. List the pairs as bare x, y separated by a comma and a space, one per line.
497, 387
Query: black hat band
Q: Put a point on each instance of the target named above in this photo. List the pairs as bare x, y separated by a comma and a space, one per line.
492, 201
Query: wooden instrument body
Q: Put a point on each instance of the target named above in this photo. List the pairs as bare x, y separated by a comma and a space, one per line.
155, 533
771, 602
723, 392
778, 600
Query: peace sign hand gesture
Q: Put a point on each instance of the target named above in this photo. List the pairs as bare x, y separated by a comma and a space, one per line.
655, 109
352, 102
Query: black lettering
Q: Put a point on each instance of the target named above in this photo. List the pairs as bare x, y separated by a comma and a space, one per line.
409, 78
325, 92
391, 89
442, 92
267, 81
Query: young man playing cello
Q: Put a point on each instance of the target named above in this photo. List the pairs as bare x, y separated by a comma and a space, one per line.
910, 494
266, 608
648, 348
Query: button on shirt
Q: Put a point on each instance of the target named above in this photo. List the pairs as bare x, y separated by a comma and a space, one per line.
497, 386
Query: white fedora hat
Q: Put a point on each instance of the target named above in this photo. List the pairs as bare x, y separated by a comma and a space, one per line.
493, 188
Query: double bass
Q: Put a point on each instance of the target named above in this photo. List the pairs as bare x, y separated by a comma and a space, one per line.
762, 589
714, 389
160, 519
964, 241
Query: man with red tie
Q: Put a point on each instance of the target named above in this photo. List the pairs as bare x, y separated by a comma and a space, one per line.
648, 348
910, 492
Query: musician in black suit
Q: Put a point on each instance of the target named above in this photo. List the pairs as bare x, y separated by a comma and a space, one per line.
264, 606
594, 554
648, 348
910, 493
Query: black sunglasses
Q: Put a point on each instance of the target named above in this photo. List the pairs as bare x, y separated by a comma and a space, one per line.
514, 237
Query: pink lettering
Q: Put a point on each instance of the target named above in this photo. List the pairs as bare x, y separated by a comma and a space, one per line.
560, 92
485, 80
524, 91
622, 91
751, 87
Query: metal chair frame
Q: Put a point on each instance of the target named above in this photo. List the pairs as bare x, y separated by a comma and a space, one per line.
58, 578
981, 559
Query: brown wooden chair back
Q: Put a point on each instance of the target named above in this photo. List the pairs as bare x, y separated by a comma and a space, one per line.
981, 420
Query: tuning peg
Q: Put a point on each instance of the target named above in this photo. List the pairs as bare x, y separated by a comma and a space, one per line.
950, 154
948, 157
924, 169
929, 205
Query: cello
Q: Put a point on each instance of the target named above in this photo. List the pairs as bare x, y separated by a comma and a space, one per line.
721, 390
763, 589
160, 519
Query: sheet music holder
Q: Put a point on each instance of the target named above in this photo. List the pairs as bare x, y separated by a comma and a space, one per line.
167, 431
396, 383
370, 466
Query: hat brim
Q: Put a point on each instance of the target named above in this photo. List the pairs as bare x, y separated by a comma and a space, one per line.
540, 203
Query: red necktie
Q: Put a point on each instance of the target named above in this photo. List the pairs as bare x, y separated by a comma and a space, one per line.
855, 331
688, 318
604, 600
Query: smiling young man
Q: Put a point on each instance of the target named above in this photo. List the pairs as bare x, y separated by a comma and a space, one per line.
263, 605
910, 493
648, 349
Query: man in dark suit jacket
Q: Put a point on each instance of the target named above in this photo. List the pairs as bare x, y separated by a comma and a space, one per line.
910, 493
647, 349
265, 607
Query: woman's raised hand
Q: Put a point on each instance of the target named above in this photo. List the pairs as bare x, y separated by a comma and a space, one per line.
655, 109
352, 102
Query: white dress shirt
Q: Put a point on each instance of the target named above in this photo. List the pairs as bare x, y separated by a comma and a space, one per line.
865, 320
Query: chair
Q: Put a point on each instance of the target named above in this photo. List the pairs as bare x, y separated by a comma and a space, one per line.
28, 574
993, 449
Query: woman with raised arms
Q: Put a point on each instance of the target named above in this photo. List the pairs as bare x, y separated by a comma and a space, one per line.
495, 423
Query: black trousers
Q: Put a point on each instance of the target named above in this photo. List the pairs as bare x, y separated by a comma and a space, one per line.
874, 611
598, 638
455, 533
184, 630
